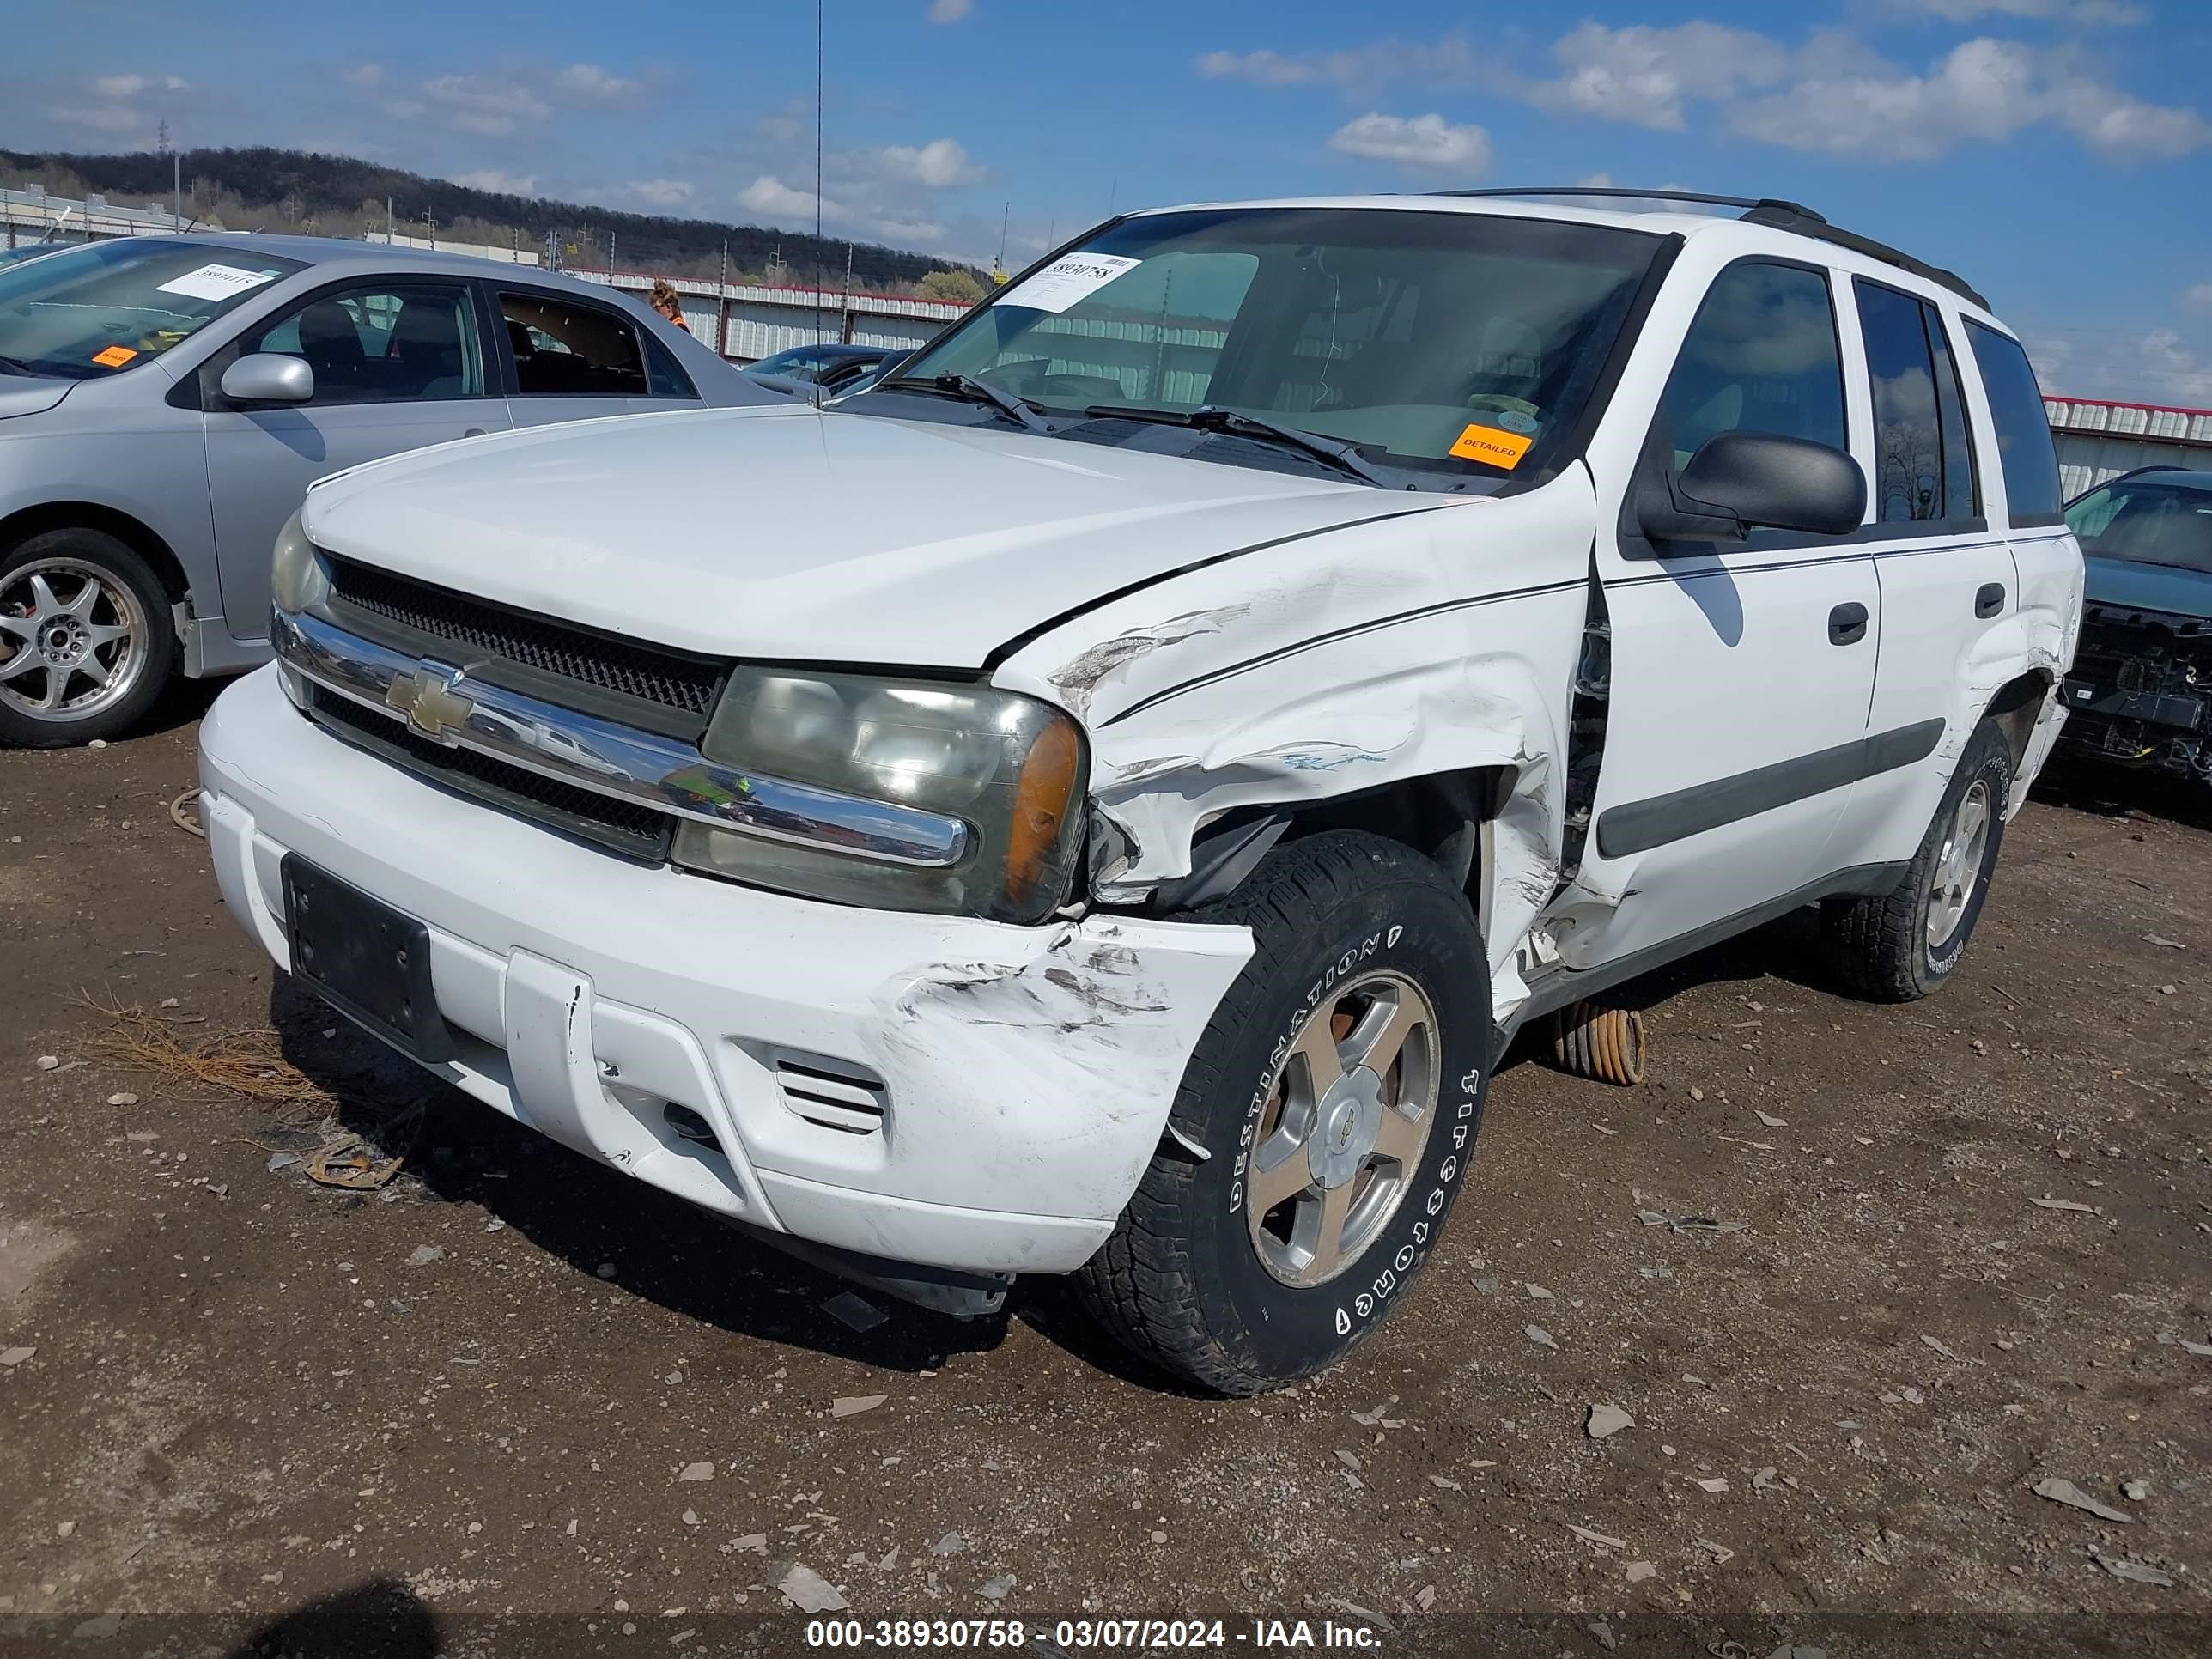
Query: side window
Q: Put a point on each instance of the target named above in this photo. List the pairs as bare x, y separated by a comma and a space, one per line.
665, 376
2025, 449
1962, 486
565, 348
1924, 467
383, 342
1761, 358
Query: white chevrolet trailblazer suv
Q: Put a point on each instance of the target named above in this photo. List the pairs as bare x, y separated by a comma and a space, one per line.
1098, 801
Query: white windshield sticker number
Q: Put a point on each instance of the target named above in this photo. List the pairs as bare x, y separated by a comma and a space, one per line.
216, 282
1065, 280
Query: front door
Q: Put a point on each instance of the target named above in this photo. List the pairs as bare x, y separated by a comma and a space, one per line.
1740, 672
398, 364
571, 359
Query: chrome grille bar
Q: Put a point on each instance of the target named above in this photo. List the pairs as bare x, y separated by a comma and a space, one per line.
439, 702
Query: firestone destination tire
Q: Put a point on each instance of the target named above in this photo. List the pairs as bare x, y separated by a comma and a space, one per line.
1338, 1091
1902, 946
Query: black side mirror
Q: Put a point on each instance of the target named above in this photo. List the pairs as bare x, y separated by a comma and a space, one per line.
1738, 482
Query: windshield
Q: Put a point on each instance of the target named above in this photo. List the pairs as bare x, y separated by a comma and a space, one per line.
2147, 520
1457, 347
110, 306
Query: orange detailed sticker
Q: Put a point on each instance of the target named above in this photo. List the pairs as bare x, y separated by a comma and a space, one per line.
1492, 444
114, 358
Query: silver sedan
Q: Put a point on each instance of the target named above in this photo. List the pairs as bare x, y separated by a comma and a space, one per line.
164, 401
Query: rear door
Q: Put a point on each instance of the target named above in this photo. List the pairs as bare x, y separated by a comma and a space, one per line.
568, 358
399, 363
2045, 555
1741, 671
1949, 593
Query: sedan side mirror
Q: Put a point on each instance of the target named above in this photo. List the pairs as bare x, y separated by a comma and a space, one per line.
269, 377
1739, 481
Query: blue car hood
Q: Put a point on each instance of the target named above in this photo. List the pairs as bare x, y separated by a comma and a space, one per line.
2134, 586
30, 394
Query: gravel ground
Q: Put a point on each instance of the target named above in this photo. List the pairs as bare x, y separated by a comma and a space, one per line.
512, 1402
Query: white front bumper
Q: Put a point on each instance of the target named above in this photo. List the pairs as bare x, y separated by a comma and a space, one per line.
1028, 1071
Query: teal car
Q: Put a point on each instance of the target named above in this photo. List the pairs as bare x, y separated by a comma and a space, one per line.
2140, 691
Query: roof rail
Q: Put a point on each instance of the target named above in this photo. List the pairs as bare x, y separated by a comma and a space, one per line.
1635, 195
1785, 216
1771, 211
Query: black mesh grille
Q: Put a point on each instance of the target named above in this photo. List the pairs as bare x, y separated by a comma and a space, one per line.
640, 673
623, 826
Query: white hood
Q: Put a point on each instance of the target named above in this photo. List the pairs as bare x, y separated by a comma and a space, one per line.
796, 533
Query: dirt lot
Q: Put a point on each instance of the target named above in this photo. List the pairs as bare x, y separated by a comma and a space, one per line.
476, 1402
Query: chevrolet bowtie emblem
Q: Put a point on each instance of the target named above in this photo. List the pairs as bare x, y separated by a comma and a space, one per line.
427, 699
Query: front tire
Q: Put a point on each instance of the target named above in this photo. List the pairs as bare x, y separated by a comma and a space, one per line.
1902, 946
85, 642
1338, 1091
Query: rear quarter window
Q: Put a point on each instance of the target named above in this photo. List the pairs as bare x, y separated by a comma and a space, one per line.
2025, 451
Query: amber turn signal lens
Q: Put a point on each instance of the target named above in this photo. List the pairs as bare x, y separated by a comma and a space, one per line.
1041, 800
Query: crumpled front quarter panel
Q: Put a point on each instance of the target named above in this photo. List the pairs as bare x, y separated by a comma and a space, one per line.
1436, 640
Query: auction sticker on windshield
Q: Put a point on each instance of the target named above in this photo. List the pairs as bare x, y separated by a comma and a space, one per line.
1493, 444
1065, 281
215, 283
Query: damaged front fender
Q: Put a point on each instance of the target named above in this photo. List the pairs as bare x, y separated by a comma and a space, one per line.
1431, 644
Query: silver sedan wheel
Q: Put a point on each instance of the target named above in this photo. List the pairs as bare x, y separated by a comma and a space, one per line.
1958, 865
1342, 1134
72, 639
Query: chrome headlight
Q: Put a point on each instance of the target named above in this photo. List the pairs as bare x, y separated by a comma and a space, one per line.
296, 577
1008, 767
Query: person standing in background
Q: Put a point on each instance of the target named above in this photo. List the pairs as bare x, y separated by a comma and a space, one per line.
665, 301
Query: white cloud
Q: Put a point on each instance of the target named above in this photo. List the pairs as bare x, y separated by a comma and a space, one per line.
1360, 68
1423, 141
661, 193
949, 11
362, 75
1983, 90
98, 118
1646, 76
2120, 125
589, 84
481, 103
2199, 296
940, 164
779, 203
2175, 372
120, 86
2064, 11
1269, 69
502, 184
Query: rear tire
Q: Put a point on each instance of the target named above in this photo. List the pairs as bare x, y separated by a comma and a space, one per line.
1340, 1084
1902, 946
87, 638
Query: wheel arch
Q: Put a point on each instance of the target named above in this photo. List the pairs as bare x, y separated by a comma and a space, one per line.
133, 532
2014, 705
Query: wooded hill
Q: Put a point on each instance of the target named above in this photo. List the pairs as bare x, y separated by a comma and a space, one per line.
286, 190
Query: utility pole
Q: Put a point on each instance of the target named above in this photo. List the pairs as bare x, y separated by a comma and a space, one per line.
388, 221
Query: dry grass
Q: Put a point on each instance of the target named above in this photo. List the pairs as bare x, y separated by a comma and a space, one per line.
249, 1062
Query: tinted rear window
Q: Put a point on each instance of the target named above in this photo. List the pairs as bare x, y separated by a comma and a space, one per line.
2025, 449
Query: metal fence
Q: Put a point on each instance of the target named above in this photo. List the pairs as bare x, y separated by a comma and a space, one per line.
2098, 440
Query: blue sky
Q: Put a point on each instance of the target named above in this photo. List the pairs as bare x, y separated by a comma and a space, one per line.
2058, 153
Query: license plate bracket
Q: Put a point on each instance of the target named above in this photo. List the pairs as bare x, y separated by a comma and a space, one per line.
364, 958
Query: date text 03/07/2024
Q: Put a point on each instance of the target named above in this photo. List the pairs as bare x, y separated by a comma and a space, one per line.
1072, 1635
